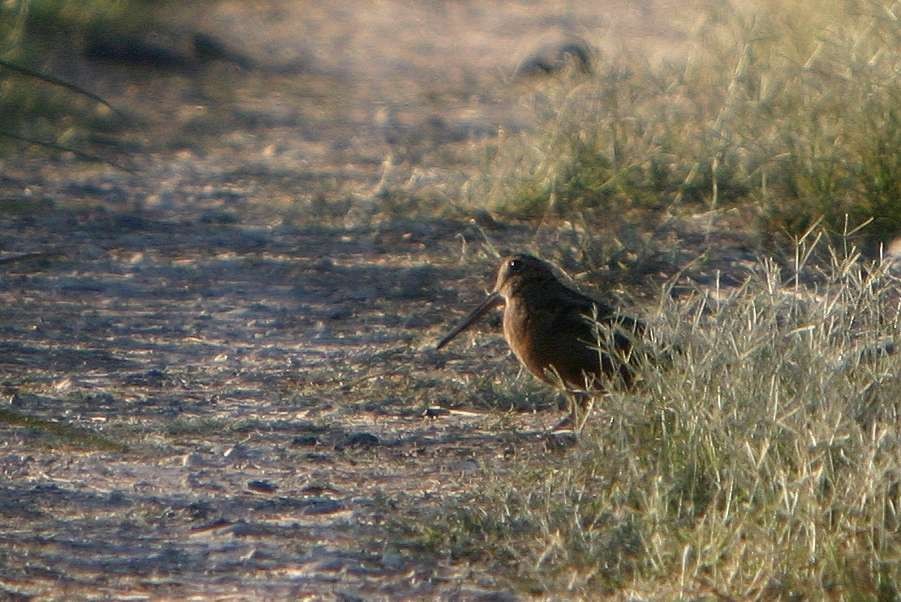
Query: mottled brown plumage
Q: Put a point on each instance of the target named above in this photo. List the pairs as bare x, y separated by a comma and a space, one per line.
558, 333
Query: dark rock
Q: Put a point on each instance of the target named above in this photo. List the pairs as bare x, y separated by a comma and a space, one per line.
323, 506
151, 378
305, 440
262, 486
560, 440
555, 57
359, 440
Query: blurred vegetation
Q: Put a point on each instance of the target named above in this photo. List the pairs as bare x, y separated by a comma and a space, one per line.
790, 109
31, 31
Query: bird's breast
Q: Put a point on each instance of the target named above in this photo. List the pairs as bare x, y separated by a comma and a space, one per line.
552, 338
527, 332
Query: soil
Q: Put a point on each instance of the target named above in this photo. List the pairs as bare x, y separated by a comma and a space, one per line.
215, 370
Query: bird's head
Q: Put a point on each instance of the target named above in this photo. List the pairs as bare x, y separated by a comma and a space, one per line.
517, 271
514, 273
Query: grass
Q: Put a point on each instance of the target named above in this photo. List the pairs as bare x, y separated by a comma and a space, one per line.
786, 109
38, 110
763, 462
60, 434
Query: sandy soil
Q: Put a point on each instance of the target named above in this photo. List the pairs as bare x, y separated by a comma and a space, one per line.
247, 327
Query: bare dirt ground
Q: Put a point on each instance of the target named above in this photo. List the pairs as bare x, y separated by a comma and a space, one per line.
234, 342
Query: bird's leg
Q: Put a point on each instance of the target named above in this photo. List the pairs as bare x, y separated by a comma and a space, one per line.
580, 404
583, 400
573, 410
587, 400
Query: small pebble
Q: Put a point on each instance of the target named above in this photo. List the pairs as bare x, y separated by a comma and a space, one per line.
262, 486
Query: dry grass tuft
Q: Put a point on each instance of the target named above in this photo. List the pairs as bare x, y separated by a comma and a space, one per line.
787, 109
763, 461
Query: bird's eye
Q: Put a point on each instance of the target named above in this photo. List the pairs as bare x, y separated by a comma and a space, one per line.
515, 265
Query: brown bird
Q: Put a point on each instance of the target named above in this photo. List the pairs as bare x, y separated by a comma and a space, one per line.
560, 335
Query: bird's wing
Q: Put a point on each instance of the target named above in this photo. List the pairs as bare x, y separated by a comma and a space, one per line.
576, 318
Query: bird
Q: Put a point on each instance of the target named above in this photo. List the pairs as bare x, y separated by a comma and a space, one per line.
558, 334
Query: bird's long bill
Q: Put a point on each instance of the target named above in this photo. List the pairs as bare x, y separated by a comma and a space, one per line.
493, 300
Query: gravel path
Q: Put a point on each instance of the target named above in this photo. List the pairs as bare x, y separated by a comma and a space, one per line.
213, 371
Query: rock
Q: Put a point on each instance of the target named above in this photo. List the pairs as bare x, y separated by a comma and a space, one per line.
556, 56
305, 440
323, 506
359, 440
192, 459
323, 264
560, 440
150, 378
237, 453
262, 486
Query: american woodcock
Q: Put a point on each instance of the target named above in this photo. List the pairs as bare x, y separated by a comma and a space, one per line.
560, 335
